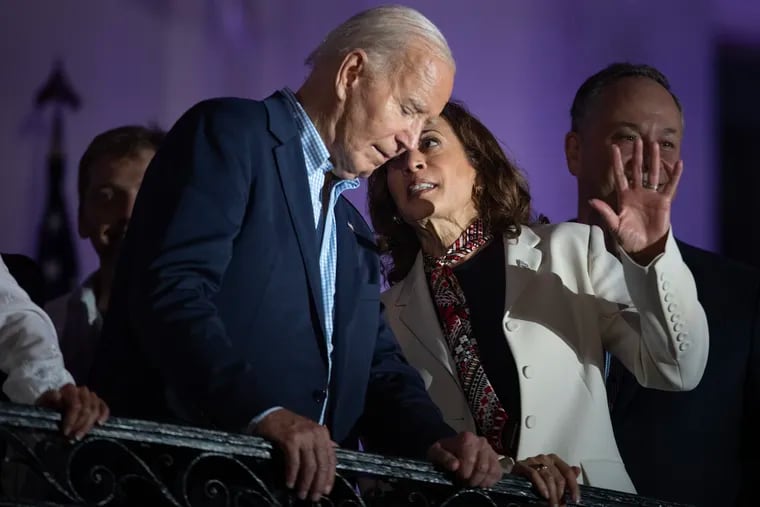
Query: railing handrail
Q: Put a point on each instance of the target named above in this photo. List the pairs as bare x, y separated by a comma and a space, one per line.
206, 440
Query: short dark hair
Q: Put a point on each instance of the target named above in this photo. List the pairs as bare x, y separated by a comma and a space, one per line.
115, 144
596, 84
501, 195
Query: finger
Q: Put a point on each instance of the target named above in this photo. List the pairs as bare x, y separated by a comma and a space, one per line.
559, 483
569, 477
637, 163
332, 464
105, 412
83, 422
618, 171
467, 462
319, 485
91, 413
292, 465
480, 468
443, 458
576, 471
548, 476
71, 407
670, 187
527, 471
609, 217
655, 163
495, 471
306, 471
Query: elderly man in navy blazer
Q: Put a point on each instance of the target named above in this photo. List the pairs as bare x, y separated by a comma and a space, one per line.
247, 293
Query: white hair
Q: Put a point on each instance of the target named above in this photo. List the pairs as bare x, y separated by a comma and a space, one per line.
383, 33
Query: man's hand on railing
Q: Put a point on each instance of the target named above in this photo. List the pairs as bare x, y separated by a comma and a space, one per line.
309, 452
81, 409
470, 457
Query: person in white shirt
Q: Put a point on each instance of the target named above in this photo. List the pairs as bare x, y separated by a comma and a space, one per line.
32, 361
110, 173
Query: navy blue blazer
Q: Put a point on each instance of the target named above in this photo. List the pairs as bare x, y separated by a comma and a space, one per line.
701, 447
215, 314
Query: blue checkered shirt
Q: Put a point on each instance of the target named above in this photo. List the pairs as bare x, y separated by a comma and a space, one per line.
317, 166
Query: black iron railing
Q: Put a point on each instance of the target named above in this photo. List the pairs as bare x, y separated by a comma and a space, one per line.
139, 463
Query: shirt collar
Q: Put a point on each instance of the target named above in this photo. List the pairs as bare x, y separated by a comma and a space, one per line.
315, 151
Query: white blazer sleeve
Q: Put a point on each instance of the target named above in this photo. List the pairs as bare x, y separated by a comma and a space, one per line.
29, 352
660, 333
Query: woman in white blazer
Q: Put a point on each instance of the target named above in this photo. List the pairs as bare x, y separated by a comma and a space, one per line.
509, 324
32, 361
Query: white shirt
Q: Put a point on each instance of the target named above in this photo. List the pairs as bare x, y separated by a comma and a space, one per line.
29, 352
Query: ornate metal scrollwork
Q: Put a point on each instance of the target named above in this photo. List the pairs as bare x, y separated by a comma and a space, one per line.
129, 462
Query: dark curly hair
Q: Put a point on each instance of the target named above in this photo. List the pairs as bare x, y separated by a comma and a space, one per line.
501, 194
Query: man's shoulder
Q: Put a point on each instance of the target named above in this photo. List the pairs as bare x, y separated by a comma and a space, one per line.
708, 265
238, 115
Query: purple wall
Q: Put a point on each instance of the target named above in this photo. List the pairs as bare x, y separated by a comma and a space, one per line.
519, 62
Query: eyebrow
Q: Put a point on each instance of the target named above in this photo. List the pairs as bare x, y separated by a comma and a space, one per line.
418, 106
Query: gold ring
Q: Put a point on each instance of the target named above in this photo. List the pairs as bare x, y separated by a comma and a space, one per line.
539, 468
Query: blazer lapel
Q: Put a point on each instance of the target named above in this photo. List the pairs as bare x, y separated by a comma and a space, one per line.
292, 171
523, 259
347, 286
419, 315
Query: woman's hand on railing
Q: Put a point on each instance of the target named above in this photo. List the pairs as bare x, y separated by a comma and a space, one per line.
551, 476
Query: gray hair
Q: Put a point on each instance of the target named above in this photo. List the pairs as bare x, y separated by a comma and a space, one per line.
382, 32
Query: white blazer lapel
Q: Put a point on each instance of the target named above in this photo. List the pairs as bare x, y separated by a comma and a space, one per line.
419, 315
523, 259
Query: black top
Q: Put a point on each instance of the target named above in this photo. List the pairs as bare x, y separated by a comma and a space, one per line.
701, 447
482, 280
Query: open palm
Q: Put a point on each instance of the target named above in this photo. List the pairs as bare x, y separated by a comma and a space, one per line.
642, 221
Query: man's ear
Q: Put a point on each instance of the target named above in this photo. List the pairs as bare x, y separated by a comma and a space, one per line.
573, 152
352, 68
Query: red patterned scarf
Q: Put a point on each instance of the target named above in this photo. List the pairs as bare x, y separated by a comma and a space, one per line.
490, 416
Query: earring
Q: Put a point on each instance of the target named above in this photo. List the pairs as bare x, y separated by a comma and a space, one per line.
396, 219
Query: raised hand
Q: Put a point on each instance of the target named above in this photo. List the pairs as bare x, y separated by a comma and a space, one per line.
641, 223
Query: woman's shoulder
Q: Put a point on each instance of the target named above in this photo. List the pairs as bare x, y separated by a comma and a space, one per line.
564, 237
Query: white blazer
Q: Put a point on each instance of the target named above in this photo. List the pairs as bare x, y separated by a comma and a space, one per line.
29, 352
567, 301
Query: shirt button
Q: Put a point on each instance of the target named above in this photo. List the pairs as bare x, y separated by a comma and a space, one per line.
511, 325
527, 371
530, 421
666, 286
681, 337
672, 307
677, 327
675, 317
683, 346
668, 297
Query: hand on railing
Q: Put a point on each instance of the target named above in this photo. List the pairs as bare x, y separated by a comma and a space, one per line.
80, 409
551, 476
470, 457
